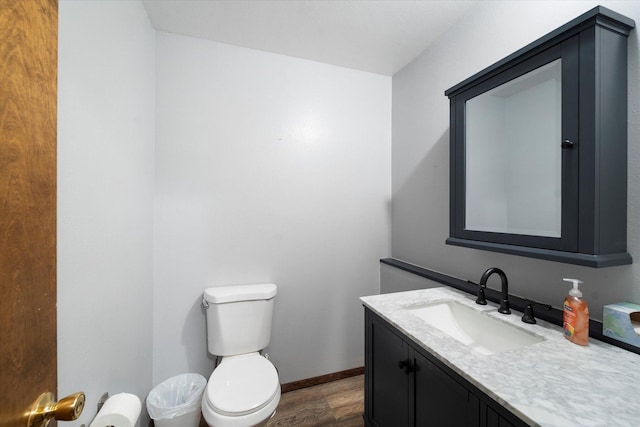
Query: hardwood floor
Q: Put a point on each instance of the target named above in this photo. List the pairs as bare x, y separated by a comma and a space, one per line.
338, 403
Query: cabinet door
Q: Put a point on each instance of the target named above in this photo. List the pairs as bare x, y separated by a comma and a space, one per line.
514, 182
440, 400
387, 383
498, 417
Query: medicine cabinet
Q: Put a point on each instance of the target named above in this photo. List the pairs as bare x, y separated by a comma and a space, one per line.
539, 147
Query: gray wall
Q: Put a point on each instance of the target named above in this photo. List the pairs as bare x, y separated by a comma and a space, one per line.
420, 168
396, 280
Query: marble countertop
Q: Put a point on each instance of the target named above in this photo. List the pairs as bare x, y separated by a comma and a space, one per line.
554, 383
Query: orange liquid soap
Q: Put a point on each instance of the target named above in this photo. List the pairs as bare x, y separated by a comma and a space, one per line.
576, 316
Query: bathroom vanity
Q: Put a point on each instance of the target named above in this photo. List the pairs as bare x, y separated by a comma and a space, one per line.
419, 373
410, 387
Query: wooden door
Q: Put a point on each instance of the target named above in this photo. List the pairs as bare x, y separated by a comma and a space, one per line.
28, 99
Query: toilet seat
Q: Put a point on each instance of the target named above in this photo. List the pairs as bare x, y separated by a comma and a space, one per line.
242, 384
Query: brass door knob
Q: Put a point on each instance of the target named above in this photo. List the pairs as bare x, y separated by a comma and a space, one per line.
46, 409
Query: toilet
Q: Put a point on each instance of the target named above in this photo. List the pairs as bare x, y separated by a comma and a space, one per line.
244, 388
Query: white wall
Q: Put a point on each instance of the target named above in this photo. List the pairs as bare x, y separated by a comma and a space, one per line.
105, 190
268, 169
491, 31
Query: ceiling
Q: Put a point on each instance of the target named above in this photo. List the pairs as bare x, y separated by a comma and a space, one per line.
378, 36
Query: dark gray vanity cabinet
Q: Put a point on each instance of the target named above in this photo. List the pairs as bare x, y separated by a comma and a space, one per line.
539, 148
406, 386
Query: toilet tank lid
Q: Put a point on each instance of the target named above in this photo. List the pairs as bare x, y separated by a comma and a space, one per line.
223, 294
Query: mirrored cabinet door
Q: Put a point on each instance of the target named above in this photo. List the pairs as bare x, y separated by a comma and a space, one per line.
513, 168
516, 181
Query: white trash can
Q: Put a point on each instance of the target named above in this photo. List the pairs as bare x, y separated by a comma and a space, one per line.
176, 402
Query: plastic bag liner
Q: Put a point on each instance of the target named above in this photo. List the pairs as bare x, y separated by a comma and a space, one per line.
176, 396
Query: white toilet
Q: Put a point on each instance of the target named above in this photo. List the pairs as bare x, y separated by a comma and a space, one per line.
244, 389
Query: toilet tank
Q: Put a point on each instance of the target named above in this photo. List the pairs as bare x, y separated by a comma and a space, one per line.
239, 318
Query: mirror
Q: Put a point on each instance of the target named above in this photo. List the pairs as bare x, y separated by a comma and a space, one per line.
512, 155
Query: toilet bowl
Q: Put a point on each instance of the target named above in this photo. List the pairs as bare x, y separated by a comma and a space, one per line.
243, 391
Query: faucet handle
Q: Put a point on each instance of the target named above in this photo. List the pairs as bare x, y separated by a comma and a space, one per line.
528, 317
481, 299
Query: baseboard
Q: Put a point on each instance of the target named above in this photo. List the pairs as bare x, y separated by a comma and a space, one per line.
322, 379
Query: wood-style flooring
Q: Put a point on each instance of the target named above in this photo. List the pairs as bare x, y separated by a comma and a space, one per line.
337, 403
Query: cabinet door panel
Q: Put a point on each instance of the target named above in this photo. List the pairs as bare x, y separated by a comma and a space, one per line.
490, 208
495, 420
439, 399
389, 383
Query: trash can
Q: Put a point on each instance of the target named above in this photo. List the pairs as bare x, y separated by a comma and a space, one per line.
176, 402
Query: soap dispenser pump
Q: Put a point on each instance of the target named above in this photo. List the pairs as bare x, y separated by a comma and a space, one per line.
576, 315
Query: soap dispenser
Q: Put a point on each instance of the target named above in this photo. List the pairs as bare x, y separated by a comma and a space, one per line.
576, 315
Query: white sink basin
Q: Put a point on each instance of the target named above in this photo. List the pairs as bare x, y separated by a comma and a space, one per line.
474, 328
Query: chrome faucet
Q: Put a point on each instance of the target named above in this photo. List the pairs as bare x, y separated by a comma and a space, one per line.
504, 301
